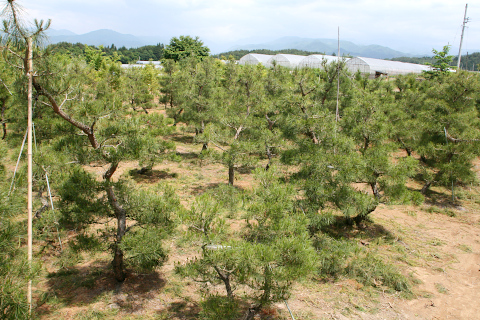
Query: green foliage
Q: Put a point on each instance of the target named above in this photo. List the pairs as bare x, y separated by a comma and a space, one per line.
185, 46
124, 55
144, 248
445, 128
442, 64
371, 270
274, 251
13, 270
216, 307
79, 202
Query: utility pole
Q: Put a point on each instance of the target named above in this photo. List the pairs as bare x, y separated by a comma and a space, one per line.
465, 21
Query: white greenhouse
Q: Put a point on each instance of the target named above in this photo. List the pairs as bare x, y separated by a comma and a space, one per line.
316, 60
378, 67
255, 58
285, 60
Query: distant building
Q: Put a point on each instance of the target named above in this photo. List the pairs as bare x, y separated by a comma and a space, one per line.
254, 59
285, 60
142, 64
370, 66
317, 60
378, 67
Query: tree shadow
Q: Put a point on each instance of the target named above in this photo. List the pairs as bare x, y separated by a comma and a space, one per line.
151, 176
439, 199
197, 190
245, 169
183, 310
343, 227
183, 138
81, 286
188, 155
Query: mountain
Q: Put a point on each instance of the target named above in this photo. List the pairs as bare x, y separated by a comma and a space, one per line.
62, 32
328, 46
103, 37
107, 37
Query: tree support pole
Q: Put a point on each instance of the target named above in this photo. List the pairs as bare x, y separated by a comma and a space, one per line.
30, 171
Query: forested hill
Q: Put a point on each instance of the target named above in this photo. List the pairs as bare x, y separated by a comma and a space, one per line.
469, 62
130, 55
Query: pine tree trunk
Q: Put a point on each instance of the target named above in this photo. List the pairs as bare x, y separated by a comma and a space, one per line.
121, 215
117, 263
226, 280
252, 311
425, 187
2, 119
231, 175
375, 190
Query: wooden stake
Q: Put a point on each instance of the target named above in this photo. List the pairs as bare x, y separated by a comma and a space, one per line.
30, 170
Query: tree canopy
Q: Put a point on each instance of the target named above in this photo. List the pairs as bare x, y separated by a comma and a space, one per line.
185, 46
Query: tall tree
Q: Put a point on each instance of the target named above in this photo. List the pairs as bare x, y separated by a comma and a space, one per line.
185, 46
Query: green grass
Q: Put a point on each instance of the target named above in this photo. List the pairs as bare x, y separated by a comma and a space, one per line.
440, 288
445, 211
345, 258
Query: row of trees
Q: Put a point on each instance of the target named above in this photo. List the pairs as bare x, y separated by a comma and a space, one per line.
469, 62
177, 49
250, 110
124, 55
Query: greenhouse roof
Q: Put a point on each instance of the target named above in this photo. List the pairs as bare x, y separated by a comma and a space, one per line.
255, 58
315, 60
378, 66
286, 60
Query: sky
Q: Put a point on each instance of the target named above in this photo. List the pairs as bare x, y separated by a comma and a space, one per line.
411, 26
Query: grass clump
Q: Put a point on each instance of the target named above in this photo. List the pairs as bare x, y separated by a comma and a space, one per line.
344, 258
217, 307
445, 211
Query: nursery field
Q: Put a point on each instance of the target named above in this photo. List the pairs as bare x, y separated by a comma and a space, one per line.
436, 245
210, 190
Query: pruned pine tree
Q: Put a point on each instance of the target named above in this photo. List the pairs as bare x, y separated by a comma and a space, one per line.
169, 86
141, 86
238, 113
276, 85
201, 81
449, 129
353, 170
278, 250
272, 251
218, 262
404, 116
366, 122
311, 101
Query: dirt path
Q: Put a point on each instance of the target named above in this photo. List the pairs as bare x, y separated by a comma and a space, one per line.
451, 281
